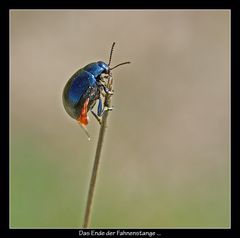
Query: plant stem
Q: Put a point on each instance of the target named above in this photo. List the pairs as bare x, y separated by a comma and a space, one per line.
107, 103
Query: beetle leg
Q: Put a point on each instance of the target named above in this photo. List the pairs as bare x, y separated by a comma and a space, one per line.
96, 116
103, 94
106, 109
100, 109
106, 90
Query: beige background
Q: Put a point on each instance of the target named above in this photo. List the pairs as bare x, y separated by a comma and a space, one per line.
165, 160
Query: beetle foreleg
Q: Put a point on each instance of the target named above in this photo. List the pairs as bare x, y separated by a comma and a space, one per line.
106, 90
106, 109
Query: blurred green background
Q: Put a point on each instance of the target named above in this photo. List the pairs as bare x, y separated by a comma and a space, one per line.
165, 160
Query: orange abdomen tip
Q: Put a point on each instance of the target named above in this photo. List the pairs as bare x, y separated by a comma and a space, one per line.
83, 118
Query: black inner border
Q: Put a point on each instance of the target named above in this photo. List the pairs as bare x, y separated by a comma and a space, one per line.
235, 119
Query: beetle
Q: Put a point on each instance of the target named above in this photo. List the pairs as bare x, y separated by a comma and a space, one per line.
85, 88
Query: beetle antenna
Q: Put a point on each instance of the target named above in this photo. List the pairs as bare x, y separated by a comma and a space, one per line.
119, 65
111, 52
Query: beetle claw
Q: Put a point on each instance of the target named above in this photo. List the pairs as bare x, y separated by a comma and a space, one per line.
109, 108
110, 92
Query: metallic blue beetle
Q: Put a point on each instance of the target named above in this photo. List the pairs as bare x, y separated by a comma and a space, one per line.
84, 88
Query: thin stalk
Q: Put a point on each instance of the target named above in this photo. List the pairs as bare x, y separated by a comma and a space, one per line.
92, 185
